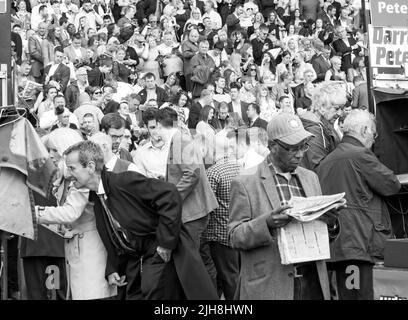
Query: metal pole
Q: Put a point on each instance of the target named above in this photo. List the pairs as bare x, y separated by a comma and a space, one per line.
368, 64
3, 262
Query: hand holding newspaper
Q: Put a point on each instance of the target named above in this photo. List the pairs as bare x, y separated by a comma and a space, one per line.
311, 208
305, 238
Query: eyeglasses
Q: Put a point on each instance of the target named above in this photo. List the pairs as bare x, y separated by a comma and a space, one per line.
115, 137
253, 69
302, 148
98, 92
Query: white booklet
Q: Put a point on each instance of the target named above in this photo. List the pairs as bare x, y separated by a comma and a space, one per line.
302, 242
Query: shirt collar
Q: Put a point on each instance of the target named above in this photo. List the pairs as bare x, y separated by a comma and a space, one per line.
111, 163
275, 171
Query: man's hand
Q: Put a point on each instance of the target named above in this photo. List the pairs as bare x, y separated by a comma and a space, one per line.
165, 254
277, 218
114, 279
265, 47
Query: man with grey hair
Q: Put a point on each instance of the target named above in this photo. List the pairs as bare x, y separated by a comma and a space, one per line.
365, 224
327, 102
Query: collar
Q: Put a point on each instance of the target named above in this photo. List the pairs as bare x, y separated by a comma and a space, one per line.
275, 169
111, 163
352, 140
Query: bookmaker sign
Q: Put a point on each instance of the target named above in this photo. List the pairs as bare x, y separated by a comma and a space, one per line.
387, 13
388, 47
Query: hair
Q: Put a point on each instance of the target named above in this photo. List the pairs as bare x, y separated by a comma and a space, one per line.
149, 75
258, 90
205, 93
263, 27
323, 94
88, 151
77, 36
177, 96
62, 20
223, 104
281, 98
235, 85
356, 120
58, 49
256, 107
42, 7
88, 115
204, 112
149, 114
112, 120
356, 62
167, 117
59, 96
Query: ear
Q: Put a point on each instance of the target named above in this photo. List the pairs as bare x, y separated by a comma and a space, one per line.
91, 167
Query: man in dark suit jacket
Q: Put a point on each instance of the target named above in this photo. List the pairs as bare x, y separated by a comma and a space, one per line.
261, 44
233, 20
253, 112
154, 233
345, 49
319, 62
185, 169
57, 70
161, 95
236, 105
224, 116
204, 100
360, 94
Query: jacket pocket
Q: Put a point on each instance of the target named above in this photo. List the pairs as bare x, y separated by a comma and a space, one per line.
258, 270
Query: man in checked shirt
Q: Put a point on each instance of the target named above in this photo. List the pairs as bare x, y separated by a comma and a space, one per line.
257, 210
224, 259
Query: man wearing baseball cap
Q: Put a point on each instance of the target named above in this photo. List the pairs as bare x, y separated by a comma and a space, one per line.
257, 211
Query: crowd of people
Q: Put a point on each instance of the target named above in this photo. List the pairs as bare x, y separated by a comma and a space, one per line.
179, 129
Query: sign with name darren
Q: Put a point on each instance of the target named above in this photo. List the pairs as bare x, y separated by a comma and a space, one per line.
387, 13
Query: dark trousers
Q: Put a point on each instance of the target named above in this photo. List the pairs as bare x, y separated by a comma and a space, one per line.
306, 283
147, 275
36, 277
361, 276
226, 263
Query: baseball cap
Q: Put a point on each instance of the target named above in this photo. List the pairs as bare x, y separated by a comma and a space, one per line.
287, 128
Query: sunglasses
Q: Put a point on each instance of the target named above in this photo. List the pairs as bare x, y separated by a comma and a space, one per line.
98, 92
302, 148
253, 69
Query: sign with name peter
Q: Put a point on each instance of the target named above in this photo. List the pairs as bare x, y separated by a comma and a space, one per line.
388, 47
389, 13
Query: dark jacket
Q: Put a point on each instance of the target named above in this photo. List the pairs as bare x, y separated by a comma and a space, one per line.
61, 75
194, 114
161, 96
158, 207
259, 123
365, 224
360, 96
72, 96
257, 47
320, 65
345, 52
324, 141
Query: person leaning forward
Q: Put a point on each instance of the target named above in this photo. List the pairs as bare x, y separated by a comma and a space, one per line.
256, 213
155, 233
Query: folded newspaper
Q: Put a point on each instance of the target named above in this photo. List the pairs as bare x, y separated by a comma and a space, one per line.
305, 238
311, 208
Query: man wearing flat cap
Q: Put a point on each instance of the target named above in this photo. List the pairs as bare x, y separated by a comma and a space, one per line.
257, 210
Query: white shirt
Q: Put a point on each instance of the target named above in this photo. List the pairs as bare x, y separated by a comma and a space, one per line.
52, 70
151, 160
236, 107
251, 159
48, 119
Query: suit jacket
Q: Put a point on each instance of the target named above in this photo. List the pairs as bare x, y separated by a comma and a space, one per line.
69, 51
232, 23
161, 96
320, 65
156, 208
61, 75
360, 96
150, 208
262, 276
244, 108
194, 114
260, 123
185, 169
37, 56
342, 49
257, 46
218, 124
